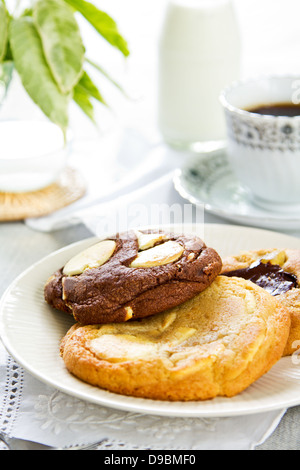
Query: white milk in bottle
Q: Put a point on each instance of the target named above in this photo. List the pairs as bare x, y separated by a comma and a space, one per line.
199, 55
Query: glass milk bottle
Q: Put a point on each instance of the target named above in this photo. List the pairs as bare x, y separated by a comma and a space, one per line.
199, 55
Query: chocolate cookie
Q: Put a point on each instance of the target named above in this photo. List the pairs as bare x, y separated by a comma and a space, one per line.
215, 344
132, 275
278, 272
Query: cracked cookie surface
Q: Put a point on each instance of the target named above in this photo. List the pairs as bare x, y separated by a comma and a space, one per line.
215, 344
136, 274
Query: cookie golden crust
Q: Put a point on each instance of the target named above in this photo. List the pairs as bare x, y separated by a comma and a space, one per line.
216, 344
132, 276
289, 262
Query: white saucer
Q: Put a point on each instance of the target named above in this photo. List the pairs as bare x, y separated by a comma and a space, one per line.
208, 180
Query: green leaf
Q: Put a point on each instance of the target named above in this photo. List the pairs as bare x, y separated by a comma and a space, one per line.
34, 72
102, 22
8, 55
82, 99
61, 40
4, 22
84, 91
6, 73
90, 88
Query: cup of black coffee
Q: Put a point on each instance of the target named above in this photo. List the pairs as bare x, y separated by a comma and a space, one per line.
263, 136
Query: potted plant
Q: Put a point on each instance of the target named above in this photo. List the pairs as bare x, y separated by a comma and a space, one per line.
43, 44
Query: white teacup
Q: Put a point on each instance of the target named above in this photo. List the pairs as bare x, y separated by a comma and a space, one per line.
264, 150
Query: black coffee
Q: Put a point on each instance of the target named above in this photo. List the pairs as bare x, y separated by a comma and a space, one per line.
280, 109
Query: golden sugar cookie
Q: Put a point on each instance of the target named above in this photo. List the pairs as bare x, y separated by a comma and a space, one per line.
216, 344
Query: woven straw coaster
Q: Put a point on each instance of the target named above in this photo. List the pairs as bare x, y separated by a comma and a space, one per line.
19, 206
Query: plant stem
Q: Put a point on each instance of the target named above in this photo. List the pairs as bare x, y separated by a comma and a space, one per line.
101, 70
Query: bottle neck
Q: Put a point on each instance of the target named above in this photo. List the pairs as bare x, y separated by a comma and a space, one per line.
210, 28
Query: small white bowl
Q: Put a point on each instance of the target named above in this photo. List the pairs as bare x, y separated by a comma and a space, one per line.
264, 150
32, 155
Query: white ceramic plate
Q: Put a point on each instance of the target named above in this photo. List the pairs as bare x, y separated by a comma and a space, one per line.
32, 331
208, 180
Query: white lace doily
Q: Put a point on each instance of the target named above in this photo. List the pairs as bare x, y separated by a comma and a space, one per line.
32, 410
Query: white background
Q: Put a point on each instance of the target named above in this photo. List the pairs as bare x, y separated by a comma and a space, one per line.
270, 35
